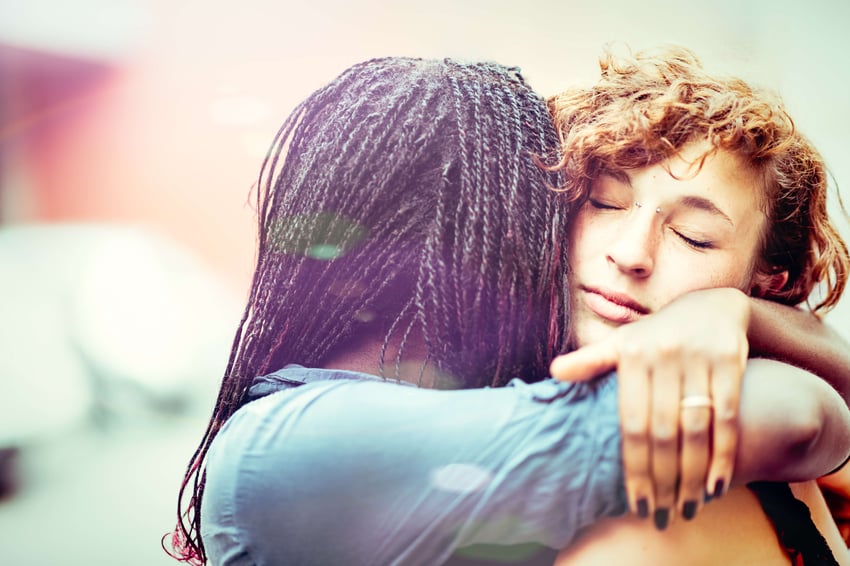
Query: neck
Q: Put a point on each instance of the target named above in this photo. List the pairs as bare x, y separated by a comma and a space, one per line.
365, 356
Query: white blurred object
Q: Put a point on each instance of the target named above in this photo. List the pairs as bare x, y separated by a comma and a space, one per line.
103, 30
94, 308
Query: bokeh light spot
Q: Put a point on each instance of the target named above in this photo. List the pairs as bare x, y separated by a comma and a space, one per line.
460, 478
365, 315
322, 235
324, 251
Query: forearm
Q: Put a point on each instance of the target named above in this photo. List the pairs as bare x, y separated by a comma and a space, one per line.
800, 338
794, 427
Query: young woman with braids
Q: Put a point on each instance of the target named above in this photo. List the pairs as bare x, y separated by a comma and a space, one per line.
408, 236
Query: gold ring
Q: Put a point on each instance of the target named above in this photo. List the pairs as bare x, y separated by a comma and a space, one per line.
696, 401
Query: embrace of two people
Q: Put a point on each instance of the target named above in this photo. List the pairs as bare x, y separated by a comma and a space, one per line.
486, 327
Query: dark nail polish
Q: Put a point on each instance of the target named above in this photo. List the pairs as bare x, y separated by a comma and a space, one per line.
642, 508
718, 488
661, 518
689, 509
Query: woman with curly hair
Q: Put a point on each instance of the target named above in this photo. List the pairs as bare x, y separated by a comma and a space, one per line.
684, 180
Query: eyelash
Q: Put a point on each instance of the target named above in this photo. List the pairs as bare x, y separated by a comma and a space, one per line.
696, 244
601, 205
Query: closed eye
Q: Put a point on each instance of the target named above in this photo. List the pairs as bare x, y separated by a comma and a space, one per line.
599, 205
698, 244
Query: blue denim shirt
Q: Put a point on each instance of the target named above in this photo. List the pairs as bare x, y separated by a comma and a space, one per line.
338, 467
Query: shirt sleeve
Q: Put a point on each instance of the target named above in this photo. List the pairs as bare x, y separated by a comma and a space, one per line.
360, 472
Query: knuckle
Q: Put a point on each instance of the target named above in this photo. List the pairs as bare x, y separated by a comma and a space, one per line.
664, 435
634, 435
726, 415
696, 435
633, 422
693, 482
665, 491
668, 349
665, 495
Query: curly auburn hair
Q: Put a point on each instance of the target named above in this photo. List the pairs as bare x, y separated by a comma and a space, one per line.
647, 106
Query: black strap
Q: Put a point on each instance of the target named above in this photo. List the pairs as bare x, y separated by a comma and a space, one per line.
841, 465
793, 523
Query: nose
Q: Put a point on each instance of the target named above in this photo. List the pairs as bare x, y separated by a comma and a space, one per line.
632, 248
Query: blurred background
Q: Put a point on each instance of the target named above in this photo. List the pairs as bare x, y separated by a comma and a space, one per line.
131, 133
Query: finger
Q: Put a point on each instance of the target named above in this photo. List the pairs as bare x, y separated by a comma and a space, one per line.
634, 409
585, 363
695, 418
666, 395
726, 393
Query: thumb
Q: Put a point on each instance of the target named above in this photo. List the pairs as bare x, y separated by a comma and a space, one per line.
585, 363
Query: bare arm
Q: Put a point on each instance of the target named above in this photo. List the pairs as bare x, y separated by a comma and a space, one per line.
802, 339
793, 427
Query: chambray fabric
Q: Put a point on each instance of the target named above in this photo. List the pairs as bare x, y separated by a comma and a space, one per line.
335, 467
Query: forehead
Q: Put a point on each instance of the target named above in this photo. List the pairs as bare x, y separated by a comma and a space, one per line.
722, 177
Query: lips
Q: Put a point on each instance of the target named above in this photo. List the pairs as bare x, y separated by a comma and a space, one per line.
613, 307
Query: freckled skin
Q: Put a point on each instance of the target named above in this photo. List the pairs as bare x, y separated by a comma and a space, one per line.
706, 235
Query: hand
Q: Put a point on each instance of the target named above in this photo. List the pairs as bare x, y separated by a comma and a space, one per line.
692, 350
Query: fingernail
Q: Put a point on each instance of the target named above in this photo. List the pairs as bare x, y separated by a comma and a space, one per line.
661, 518
643, 508
689, 509
718, 488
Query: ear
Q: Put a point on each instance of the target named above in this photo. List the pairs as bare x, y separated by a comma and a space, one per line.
766, 284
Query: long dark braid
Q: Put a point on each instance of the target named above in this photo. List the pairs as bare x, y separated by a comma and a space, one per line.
405, 193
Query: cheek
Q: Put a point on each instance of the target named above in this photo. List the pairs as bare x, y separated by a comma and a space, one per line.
725, 273
736, 267
584, 239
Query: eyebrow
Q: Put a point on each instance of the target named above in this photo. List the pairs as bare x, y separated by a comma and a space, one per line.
704, 204
690, 201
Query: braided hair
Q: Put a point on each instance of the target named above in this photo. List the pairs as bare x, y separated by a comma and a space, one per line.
405, 195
